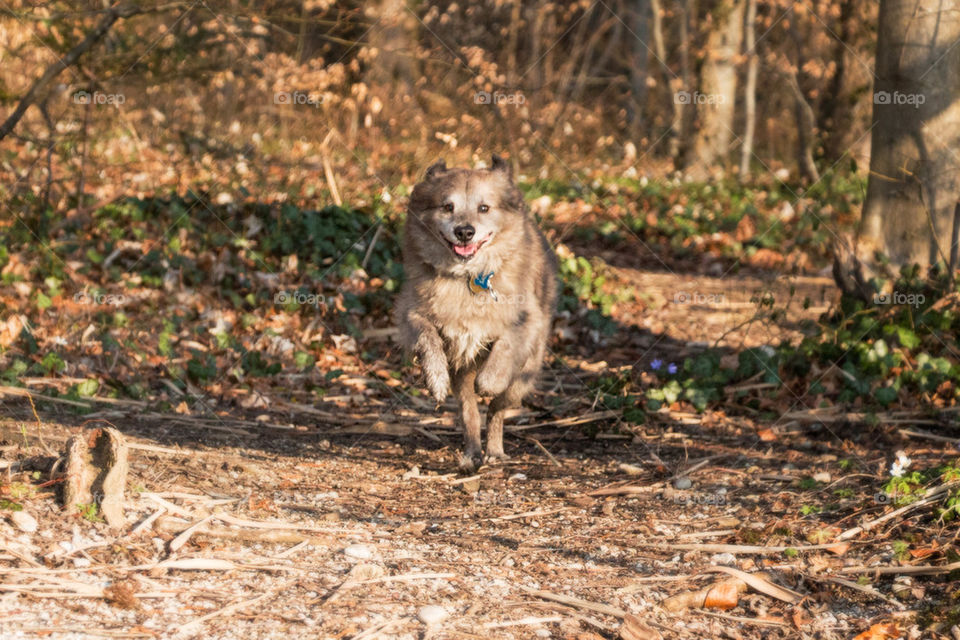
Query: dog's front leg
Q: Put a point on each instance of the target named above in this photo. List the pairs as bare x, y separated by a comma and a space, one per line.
502, 365
428, 344
463, 383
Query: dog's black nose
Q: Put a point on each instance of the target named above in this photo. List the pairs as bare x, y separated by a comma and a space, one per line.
464, 232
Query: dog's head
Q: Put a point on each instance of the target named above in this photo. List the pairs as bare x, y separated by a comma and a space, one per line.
459, 215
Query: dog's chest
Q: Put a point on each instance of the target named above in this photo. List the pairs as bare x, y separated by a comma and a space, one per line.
470, 322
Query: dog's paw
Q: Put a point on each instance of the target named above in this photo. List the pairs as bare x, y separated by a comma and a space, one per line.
495, 457
438, 381
491, 382
470, 461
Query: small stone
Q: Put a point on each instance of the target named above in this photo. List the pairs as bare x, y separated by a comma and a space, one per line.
540, 632
683, 483
366, 571
432, 614
630, 469
724, 559
358, 551
413, 473
823, 476
517, 477
23, 521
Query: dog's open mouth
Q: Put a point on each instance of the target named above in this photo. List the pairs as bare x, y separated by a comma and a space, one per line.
467, 251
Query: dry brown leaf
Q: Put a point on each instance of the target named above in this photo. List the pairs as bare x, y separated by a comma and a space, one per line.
634, 629
746, 229
800, 618
720, 594
759, 582
685, 600
123, 594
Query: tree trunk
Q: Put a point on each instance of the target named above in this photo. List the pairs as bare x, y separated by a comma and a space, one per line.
914, 181
680, 149
639, 65
836, 107
750, 91
660, 51
806, 131
716, 100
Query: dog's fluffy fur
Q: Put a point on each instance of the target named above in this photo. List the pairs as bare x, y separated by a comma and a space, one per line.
491, 344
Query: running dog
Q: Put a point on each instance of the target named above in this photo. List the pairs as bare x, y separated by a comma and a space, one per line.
479, 296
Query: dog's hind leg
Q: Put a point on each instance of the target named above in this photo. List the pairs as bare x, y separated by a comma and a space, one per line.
463, 383
520, 386
498, 407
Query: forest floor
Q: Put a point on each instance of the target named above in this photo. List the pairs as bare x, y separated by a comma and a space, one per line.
345, 516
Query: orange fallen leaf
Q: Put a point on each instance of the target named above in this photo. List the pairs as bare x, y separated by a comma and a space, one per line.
839, 549
719, 595
924, 552
767, 435
723, 595
880, 632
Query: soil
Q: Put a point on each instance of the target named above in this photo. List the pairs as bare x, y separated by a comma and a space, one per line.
344, 518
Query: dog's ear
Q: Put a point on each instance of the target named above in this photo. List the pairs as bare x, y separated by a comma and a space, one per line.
499, 164
435, 169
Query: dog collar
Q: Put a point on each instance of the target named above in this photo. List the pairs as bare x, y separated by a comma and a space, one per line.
480, 283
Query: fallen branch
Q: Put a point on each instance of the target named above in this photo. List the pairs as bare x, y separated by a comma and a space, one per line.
928, 436
746, 549
625, 490
576, 603
194, 625
861, 588
184, 536
521, 622
531, 514
545, 451
173, 525
917, 570
930, 495
565, 422
760, 583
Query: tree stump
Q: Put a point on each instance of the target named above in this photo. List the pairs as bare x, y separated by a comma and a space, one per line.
96, 473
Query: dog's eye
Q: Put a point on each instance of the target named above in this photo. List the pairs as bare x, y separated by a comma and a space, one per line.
448, 207
483, 208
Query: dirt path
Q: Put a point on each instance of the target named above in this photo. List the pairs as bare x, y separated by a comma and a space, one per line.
368, 522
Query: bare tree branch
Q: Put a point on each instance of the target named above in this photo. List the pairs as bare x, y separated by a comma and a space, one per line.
110, 16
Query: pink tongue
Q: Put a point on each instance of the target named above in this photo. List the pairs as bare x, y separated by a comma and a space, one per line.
466, 250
